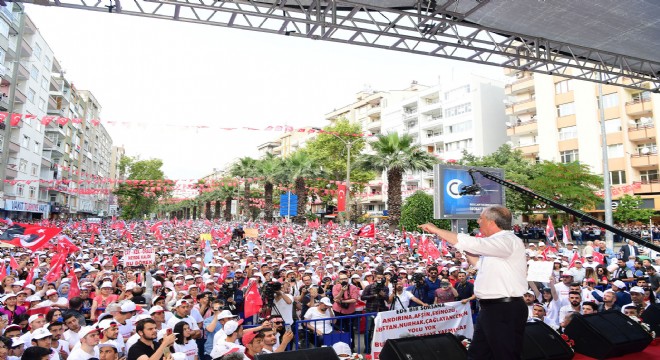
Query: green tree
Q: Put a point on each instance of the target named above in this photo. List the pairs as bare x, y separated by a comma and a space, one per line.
245, 167
329, 152
269, 169
297, 167
516, 168
630, 209
417, 210
139, 199
571, 184
396, 154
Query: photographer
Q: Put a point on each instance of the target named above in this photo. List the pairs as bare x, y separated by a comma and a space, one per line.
310, 299
375, 296
345, 297
284, 302
213, 325
232, 296
418, 288
400, 297
326, 287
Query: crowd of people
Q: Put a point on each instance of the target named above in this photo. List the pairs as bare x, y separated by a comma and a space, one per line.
191, 302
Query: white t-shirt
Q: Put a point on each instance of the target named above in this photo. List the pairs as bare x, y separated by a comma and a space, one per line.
188, 319
565, 310
313, 313
403, 299
125, 330
80, 354
63, 346
190, 349
60, 301
286, 310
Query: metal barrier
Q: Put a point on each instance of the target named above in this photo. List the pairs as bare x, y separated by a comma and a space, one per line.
356, 330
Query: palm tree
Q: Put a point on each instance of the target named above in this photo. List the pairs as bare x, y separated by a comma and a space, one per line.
245, 167
299, 166
269, 169
395, 154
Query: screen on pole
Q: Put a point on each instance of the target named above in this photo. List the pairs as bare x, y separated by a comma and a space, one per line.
450, 180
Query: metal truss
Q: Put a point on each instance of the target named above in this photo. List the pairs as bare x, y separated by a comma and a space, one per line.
420, 27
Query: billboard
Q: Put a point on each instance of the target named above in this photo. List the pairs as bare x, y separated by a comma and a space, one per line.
288, 204
450, 180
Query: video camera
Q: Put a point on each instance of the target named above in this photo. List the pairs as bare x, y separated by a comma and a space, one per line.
270, 288
418, 280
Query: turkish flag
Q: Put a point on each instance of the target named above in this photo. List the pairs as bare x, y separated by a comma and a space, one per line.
91, 239
368, 230
575, 258
29, 236
62, 121
118, 225
56, 268
253, 302
224, 241
341, 198
13, 263
3, 116
74, 288
598, 257
550, 231
272, 232
15, 119
432, 250
155, 226
158, 235
307, 241
567, 234
46, 120
30, 276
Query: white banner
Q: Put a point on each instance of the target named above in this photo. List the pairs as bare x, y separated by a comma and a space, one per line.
452, 317
139, 257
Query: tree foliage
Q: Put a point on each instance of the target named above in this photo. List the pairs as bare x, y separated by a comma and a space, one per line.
630, 210
135, 200
417, 210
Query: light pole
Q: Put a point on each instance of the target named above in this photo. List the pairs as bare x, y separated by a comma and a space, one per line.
348, 145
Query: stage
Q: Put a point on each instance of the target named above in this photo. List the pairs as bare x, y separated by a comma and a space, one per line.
651, 352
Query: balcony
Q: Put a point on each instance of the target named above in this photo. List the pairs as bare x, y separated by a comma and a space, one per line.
531, 149
14, 147
374, 125
523, 128
19, 97
523, 85
433, 121
12, 169
48, 142
644, 160
645, 132
409, 114
646, 186
639, 107
23, 73
26, 49
521, 107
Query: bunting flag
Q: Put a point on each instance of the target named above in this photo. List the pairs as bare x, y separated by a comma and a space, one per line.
253, 302
30, 236
368, 230
74, 287
566, 234
550, 231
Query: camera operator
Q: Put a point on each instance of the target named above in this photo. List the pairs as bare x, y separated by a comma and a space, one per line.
418, 287
345, 297
232, 296
284, 302
400, 297
432, 283
326, 287
310, 299
375, 296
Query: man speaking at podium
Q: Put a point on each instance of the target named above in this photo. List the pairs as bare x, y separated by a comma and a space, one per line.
501, 282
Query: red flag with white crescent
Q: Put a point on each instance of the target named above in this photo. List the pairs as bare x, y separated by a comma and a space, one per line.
341, 198
368, 230
29, 236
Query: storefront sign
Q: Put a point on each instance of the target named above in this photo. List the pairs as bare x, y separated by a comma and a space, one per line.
15, 205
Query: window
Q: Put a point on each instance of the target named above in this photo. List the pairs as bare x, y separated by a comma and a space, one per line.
617, 177
458, 145
646, 149
34, 169
67, 148
44, 83
42, 105
641, 96
2, 55
612, 126
22, 165
610, 100
30, 95
36, 147
563, 87
26, 141
47, 62
33, 192
37, 51
20, 189
459, 109
569, 156
569, 132
457, 93
4, 28
460, 127
615, 151
34, 73
648, 176
565, 109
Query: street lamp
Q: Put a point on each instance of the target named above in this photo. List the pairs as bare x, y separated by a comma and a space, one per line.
348, 145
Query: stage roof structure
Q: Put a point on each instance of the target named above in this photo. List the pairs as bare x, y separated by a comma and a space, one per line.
606, 41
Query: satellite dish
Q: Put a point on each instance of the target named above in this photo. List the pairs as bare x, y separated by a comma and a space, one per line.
645, 150
508, 123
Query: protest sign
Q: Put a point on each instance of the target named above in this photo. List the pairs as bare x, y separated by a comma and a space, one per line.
139, 257
453, 317
204, 237
539, 271
252, 233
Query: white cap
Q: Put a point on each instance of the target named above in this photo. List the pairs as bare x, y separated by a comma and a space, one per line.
342, 348
51, 292
155, 309
17, 341
225, 314
107, 324
326, 301
130, 285
637, 289
128, 306
86, 330
620, 284
35, 317
106, 284
179, 303
231, 326
41, 333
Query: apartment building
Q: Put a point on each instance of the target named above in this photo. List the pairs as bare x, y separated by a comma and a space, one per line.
558, 119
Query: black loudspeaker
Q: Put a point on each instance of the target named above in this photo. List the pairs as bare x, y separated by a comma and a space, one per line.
651, 316
543, 343
429, 347
322, 353
607, 334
